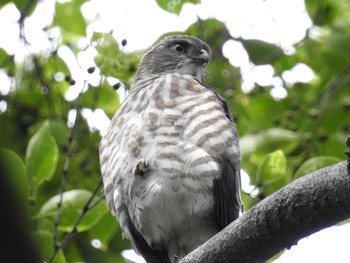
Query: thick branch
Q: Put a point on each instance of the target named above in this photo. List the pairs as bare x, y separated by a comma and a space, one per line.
313, 202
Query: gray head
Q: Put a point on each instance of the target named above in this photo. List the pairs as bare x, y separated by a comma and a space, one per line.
176, 54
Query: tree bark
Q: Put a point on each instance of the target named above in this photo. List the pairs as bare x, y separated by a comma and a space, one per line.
315, 201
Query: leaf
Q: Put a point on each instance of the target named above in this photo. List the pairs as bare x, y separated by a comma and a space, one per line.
272, 167
316, 163
258, 50
339, 41
69, 17
72, 207
9, 66
251, 142
215, 33
105, 44
15, 170
272, 172
25, 6
108, 98
59, 131
41, 156
28, 97
4, 2
104, 231
110, 60
44, 241
174, 6
323, 13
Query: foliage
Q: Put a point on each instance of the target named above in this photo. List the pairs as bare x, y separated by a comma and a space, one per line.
281, 139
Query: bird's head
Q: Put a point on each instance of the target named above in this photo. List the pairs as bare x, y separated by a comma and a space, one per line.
176, 54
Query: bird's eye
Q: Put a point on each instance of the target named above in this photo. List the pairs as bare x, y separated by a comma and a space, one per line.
179, 48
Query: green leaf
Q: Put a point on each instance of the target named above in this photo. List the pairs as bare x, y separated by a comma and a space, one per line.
69, 17
110, 60
72, 206
28, 97
4, 2
174, 6
108, 98
105, 230
272, 172
26, 7
15, 170
215, 32
44, 241
9, 66
251, 142
272, 167
105, 44
59, 131
339, 41
41, 156
259, 50
323, 13
316, 163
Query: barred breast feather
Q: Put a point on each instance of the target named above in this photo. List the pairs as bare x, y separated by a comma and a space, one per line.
170, 163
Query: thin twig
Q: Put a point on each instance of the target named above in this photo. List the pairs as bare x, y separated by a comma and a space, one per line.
90, 204
44, 84
323, 101
56, 242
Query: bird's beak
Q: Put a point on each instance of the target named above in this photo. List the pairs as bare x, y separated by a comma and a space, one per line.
203, 56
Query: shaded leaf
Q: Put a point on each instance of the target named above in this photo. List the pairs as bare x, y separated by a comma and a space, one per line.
339, 41
104, 231
272, 172
110, 60
105, 44
44, 241
108, 98
4, 2
69, 17
41, 156
258, 50
174, 6
59, 131
272, 168
28, 97
72, 206
322, 12
335, 60
15, 170
316, 163
250, 143
26, 7
211, 31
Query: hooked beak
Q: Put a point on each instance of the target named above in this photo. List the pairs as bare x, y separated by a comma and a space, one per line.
203, 56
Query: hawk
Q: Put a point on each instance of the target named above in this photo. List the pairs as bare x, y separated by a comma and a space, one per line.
170, 160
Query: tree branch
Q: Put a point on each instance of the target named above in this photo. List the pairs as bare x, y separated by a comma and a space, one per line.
315, 201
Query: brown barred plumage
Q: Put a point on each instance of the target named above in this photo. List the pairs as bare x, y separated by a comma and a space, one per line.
170, 160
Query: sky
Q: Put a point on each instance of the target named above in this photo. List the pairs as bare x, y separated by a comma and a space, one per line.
141, 22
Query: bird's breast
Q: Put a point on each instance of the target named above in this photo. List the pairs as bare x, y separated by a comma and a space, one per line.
185, 132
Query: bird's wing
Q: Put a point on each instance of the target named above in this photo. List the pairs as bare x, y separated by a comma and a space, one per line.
150, 254
227, 191
227, 188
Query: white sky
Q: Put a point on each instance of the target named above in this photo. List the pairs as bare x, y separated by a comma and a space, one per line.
141, 22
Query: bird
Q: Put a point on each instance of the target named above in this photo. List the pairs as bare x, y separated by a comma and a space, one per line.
170, 159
